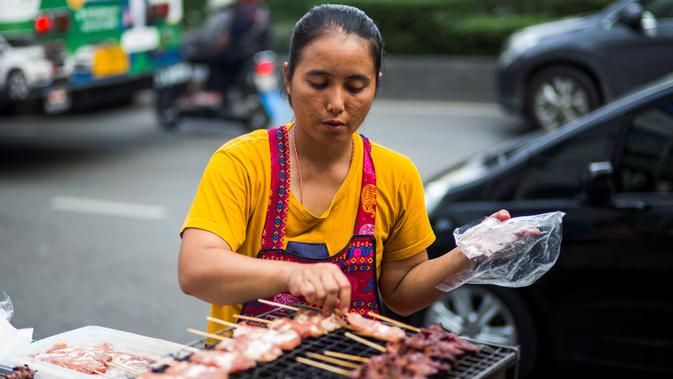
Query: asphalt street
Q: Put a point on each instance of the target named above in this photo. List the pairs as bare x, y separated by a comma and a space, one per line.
91, 205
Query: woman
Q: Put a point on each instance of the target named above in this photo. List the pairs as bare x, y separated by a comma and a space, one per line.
300, 193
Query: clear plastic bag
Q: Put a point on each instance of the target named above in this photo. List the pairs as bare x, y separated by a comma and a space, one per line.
511, 253
6, 307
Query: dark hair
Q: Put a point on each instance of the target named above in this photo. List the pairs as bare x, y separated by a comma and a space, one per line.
321, 18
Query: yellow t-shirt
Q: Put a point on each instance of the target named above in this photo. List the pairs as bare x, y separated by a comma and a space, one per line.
233, 196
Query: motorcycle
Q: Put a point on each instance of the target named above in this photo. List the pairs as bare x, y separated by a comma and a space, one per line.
252, 100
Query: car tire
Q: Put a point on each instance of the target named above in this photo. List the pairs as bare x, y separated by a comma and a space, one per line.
17, 86
464, 311
559, 94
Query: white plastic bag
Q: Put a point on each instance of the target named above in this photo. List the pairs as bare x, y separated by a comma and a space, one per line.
10, 337
511, 253
6, 307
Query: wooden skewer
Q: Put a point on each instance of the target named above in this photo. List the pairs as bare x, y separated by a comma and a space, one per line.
209, 335
395, 322
346, 356
255, 319
103, 374
323, 366
267, 302
365, 342
222, 322
124, 368
333, 360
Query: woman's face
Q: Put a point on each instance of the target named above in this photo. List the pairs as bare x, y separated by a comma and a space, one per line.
333, 86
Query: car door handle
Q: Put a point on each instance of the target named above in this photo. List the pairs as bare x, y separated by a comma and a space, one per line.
629, 204
443, 224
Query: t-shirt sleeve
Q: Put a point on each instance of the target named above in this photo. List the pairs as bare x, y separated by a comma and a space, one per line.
411, 232
221, 202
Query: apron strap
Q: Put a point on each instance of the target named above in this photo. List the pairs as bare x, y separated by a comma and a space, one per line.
276, 213
366, 218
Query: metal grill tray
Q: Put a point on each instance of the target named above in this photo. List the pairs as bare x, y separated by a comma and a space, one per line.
4, 370
492, 360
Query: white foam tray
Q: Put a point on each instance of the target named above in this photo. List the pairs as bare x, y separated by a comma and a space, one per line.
86, 336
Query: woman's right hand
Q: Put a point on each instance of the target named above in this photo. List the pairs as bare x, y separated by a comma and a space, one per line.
321, 284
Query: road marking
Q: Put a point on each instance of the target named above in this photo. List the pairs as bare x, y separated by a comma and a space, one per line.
108, 208
437, 108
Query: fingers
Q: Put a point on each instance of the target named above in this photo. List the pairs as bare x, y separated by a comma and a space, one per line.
528, 232
344, 291
501, 215
323, 285
319, 295
300, 285
332, 290
309, 293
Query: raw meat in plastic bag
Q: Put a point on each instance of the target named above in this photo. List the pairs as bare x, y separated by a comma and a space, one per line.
511, 253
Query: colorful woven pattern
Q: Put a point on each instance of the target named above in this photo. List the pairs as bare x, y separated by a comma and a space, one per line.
276, 214
357, 260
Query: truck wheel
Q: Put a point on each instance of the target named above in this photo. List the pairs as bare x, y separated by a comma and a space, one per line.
17, 86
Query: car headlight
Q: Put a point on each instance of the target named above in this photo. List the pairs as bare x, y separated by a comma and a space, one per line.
523, 41
434, 192
516, 45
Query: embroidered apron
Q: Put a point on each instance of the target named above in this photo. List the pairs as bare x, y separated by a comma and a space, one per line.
357, 260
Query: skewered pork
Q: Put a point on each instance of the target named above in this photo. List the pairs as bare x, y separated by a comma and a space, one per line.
20, 372
374, 328
229, 361
92, 359
89, 359
132, 361
185, 370
414, 365
286, 339
258, 350
309, 323
417, 356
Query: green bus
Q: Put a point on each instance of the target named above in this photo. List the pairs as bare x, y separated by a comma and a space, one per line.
115, 45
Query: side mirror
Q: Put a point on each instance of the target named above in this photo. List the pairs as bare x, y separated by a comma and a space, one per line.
598, 184
631, 15
639, 19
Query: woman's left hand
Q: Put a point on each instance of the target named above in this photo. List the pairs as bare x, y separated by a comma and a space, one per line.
489, 238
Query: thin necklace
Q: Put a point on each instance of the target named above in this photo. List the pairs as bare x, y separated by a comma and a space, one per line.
296, 155
301, 181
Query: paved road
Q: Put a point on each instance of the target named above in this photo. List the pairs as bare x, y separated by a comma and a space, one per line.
90, 206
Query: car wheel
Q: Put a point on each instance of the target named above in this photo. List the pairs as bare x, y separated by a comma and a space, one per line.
17, 86
165, 108
558, 95
489, 315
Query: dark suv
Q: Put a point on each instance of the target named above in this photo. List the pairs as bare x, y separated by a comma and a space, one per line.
555, 72
607, 302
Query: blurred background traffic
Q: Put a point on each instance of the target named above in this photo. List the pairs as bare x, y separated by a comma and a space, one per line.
110, 110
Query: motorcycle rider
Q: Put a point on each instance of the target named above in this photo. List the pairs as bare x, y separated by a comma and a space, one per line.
236, 33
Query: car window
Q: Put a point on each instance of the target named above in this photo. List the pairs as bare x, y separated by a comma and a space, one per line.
661, 9
557, 172
647, 159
